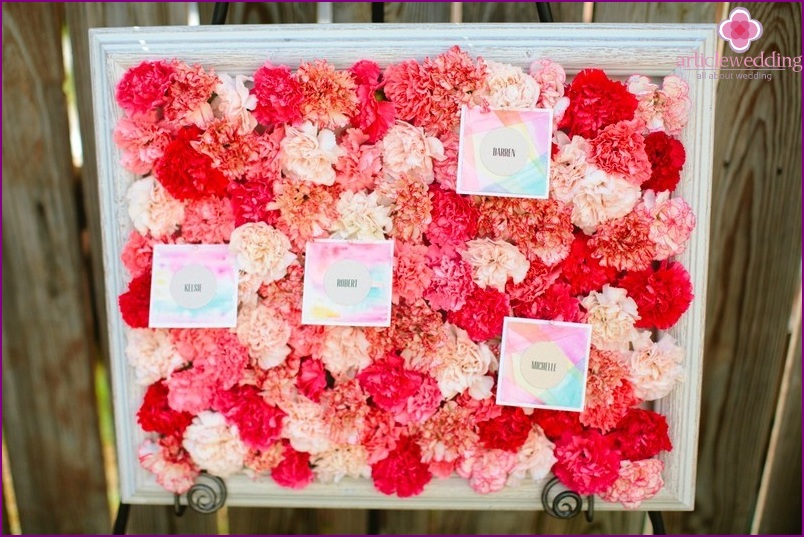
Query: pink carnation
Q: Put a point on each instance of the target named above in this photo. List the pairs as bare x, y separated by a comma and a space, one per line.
186, 98
137, 253
482, 315
490, 470
447, 435
672, 222
636, 482
375, 114
278, 94
619, 149
625, 243
294, 471
306, 210
456, 80
142, 88
258, 423
249, 201
454, 217
412, 208
609, 394
408, 85
551, 78
380, 434
345, 409
208, 221
172, 465
361, 165
451, 280
142, 139
588, 463
446, 169
411, 273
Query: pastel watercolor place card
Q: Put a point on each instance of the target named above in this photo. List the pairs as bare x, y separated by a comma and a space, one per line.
543, 364
193, 286
505, 152
348, 283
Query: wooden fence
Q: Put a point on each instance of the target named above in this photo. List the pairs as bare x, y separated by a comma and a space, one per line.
749, 467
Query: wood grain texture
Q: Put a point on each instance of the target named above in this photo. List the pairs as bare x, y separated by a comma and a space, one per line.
519, 11
262, 12
351, 12
674, 12
417, 11
753, 268
161, 520
49, 410
276, 521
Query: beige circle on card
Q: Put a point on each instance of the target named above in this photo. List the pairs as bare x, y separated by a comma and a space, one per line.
504, 151
544, 365
193, 286
347, 282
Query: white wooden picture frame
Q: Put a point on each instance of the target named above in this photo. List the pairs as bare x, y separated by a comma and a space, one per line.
620, 50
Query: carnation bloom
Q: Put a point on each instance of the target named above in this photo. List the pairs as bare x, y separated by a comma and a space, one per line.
612, 314
676, 104
361, 164
412, 275
661, 295
454, 217
142, 139
344, 350
305, 425
619, 149
186, 97
408, 150
642, 434
249, 201
341, 461
214, 446
294, 470
609, 395
258, 423
135, 303
446, 170
234, 103
152, 210
647, 110
672, 223
375, 114
534, 459
455, 80
231, 153
582, 271
508, 431
208, 221
311, 380
389, 383
451, 280
636, 482
667, 157
278, 95
568, 167
152, 354
587, 463
173, 466
447, 435
482, 314
599, 197
142, 88
550, 77
655, 368
494, 262
412, 207
187, 174
265, 334
138, 252
489, 470
308, 154
625, 243
508, 86
329, 97
156, 416
461, 365
408, 85
306, 210
402, 471
258, 462
361, 217
262, 249
596, 101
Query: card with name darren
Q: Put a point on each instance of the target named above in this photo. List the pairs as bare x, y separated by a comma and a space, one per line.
505, 152
193, 286
543, 364
348, 283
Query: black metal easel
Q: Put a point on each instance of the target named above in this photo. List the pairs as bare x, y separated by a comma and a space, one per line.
209, 495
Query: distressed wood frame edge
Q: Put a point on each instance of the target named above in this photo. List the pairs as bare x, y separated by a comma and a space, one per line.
620, 49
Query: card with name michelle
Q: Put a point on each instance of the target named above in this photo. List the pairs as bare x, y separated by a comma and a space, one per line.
348, 283
544, 364
505, 152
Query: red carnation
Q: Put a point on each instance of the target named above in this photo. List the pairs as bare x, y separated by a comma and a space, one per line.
259, 423
583, 272
156, 416
142, 88
135, 303
376, 114
662, 295
642, 434
588, 463
278, 95
389, 384
555, 423
596, 101
556, 304
508, 432
187, 174
402, 471
667, 157
250, 201
294, 471
482, 315
454, 217
311, 380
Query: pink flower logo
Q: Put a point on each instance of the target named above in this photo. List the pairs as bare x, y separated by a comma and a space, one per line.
740, 29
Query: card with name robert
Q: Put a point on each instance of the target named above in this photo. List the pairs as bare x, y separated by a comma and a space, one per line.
348, 283
543, 364
505, 152
193, 286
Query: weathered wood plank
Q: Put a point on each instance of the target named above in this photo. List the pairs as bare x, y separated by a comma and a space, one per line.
297, 521
49, 409
519, 11
753, 270
417, 11
690, 12
779, 508
160, 519
353, 12
262, 12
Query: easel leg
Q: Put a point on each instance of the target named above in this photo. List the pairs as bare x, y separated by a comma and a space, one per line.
658, 522
121, 520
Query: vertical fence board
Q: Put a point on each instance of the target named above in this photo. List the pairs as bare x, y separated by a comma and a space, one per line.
519, 11
690, 12
353, 12
262, 12
417, 11
49, 411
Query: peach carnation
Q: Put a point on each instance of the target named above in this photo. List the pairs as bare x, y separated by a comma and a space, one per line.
534, 459
408, 150
305, 425
600, 197
619, 150
655, 368
308, 154
345, 350
262, 249
235, 103
152, 354
265, 334
612, 314
494, 262
461, 364
214, 446
508, 86
152, 210
342, 461
170, 463
329, 97
361, 216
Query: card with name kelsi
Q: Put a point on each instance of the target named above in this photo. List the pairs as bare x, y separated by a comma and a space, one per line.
505, 152
543, 364
193, 286
348, 283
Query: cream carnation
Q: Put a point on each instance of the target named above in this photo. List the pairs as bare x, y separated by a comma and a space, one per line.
655, 368
568, 167
493, 262
262, 249
645, 92
152, 354
345, 350
342, 461
612, 314
309, 155
408, 150
214, 446
235, 103
361, 217
152, 209
510, 87
264, 334
534, 459
462, 365
305, 427
600, 197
